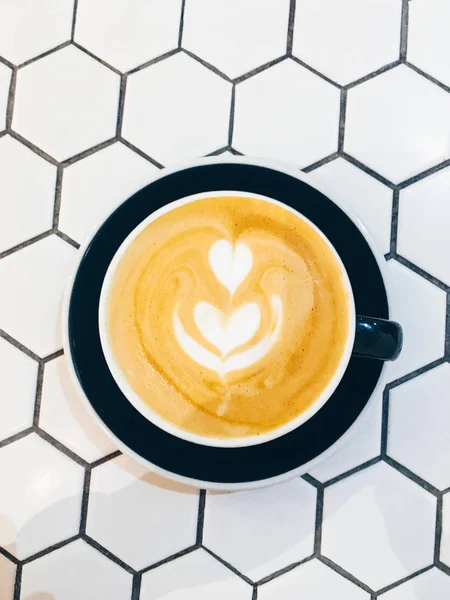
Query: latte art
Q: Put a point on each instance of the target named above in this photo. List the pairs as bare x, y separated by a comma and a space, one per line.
228, 316
229, 331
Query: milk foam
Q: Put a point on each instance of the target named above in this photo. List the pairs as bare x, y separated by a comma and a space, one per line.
229, 331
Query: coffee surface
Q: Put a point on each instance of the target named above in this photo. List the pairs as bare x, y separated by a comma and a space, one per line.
228, 316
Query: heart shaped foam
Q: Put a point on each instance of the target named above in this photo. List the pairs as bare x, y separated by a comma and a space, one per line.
230, 264
227, 332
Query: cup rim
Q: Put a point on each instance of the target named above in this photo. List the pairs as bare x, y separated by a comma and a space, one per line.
146, 410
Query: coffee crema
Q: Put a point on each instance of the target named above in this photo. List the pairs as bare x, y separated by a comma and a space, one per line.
228, 316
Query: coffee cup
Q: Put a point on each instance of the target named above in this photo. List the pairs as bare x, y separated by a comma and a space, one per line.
232, 339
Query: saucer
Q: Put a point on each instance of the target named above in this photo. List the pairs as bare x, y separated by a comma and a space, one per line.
206, 466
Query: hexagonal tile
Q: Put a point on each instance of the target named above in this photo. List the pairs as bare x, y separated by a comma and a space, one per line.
396, 123
419, 436
17, 388
326, 34
445, 541
66, 102
428, 42
196, 575
424, 338
28, 29
275, 525
379, 526
433, 584
41, 496
422, 232
362, 445
65, 416
127, 38
316, 582
7, 578
151, 522
367, 197
177, 109
88, 196
236, 36
75, 571
287, 113
5, 80
28, 189
32, 281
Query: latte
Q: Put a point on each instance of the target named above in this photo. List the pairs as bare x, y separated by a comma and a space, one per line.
228, 316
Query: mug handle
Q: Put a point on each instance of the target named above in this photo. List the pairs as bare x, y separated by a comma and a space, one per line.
377, 338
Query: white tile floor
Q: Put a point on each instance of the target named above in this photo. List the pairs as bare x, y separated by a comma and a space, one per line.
95, 97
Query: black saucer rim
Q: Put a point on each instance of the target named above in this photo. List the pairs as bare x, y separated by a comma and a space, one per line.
102, 412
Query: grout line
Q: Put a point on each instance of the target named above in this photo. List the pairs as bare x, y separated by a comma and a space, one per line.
201, 516
255, 592
105, 459
18, 345
362, 467
206, 64
38, 395
337, 569
392, 586
59, 446
284, 570
228, 566
447, 329
394, 221
414, 374
443, 567
319, 163
180, 31
385, 423
96, 58
412, 476
231, 121
140, 152
22, 245
16, 437
94, 544
34, 148
30, 61
9, 556
7, 63
415, 178
404, 30
429, 77
354, 161
74, 20
11, 98
437, 282
290, 31
18, 582
219, 151
57, 200
136, 586
312, 480
342, 115
321, 75
85, 500
52, 356
67, 239
49, 549
369, 76
236, 152
168, 559
259, 69
319, 521
153, 61
438, 530
121, 105
85, 153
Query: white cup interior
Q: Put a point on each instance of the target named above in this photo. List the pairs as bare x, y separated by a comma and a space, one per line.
152, 416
